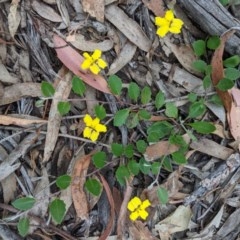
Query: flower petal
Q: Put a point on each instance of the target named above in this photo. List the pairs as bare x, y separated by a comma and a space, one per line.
88, 120
176, 26
86, 64
145, 204
94, 68
94, 136
134, 204
134, 215
97, 54
86, 55
162, 31
161, 21
143, 214
169, 16
101, 63
100, 128
95, 122
87, 132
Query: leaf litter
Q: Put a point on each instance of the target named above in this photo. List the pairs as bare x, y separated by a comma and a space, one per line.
38, 144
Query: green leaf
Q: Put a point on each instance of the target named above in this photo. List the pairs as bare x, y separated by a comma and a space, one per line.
99, 159
47, 89
225, 84
93, 186
159, 100
156, 167
120, 117
177, 140
146, 95
199, 65
133, 167
216, 100
63, 181
117, 149
133, 91
162, 195
171, 110
78, 86
224, 2
144, 114
128, 151
232, 61
100, 112
203, 127
199, 47
213, 42
167, 164
207, 81
141, 146
115, 84
196, 109
122, 174
208, 70
232, 73
178, 157
57, 209
144, 166
64, 108
23, 226
192, 97
24, 203
132, 120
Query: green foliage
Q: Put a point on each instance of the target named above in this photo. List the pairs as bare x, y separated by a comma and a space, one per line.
232, 73
179, 158
129, 151
156, 166
232, 61
145, 167
199, 48
144, 114
141, 146
216, 100
133, 91
57, 209
132, 120
200, 65
196, 109
213, 42
23, 226
63, 181
162, 195
78, 86
159, 100
100, 112
93, 186
207, 81
167, 164
115, 84
120, 117
171, 110
24, 203
203, 127
224, 2
178, 139
146, 95
122, 174
99, 159
117, 149
47, 89
64, 108
133, 167
225, 84
192, 97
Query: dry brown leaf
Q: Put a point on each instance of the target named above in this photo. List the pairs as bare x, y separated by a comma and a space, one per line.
9, 120
17, 91
77, 186
94, 8
46, 11
14, 17
128, 27
124, 57
54, 120
156, 6
6, 77
159, 149
211, 148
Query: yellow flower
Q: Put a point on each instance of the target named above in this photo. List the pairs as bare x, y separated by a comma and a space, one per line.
93, 128
137, 208
94, 62
168, 24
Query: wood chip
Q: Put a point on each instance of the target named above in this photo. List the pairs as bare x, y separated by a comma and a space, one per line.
94, 8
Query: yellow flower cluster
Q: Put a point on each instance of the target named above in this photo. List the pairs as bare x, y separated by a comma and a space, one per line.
168, 24
93, 128
93, 62
138, 208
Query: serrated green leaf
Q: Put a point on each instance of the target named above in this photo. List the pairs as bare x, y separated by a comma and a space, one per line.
93, 186
162, 195
171, 110
192, 97
115, 84
145, 167
24, 203
64, 108
207, 81
216, 100
200, 65
47, 89
132, 120
196, 109
232, 61
133, 91
133, 167
178, 157
122, 174
156, 167
225, 84
117, 149
146, 95
232, 73
199, 47
203, 127
141, 146
78, 86
159, 100
63, 181
100, 112
177, 140
128, 151
213, 42
99, 159
23, 226
57, 209
144, 114
120, 117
